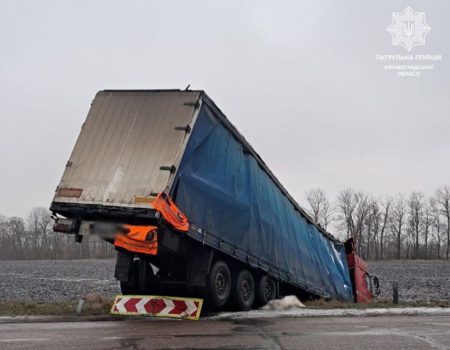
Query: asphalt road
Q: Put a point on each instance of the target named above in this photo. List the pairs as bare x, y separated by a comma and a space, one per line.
382, 332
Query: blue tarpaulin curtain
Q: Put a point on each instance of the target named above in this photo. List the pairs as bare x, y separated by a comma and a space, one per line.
223, 190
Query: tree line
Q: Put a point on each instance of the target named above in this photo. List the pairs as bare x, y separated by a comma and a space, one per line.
412, 226
33, 238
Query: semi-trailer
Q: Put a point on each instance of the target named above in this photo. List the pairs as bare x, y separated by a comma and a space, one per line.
192, 209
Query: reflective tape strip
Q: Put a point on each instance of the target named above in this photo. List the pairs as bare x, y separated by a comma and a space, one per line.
157, 306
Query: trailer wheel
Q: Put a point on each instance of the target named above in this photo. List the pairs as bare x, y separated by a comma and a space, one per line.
267, 290
244, 290
219, 284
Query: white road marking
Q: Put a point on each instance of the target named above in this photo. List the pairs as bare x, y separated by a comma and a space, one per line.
112, 338
22, 340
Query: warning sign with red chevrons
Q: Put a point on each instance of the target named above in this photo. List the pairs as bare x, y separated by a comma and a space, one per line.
157, 306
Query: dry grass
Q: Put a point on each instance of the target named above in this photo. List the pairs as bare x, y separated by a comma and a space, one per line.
95, 304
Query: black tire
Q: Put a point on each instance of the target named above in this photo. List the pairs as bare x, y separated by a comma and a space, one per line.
266, 291
243, 292
219, 285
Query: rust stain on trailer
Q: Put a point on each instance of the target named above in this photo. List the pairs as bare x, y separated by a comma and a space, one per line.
69, 192
143, 200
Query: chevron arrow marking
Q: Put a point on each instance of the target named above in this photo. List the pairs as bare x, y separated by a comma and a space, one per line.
157, 306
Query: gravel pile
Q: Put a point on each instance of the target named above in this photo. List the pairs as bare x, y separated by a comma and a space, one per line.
58, 280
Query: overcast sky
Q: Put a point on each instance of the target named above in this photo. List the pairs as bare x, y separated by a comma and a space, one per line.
298, 79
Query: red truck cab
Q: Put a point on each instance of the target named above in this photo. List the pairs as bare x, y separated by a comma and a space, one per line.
365, 286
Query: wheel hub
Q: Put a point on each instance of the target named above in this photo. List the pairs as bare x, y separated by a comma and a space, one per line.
245, 290
221, 284
268, 290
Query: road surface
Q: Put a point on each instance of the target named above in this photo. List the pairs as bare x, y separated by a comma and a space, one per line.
382, 332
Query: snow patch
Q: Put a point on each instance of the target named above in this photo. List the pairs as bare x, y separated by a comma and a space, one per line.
300, 312
287, 303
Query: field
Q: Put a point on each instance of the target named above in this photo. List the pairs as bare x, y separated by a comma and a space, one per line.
63, 280
420, 281
56, 280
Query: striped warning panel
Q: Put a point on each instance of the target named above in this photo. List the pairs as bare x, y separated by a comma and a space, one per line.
158, 306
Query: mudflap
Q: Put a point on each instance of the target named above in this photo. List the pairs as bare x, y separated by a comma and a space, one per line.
123, 265
199, 267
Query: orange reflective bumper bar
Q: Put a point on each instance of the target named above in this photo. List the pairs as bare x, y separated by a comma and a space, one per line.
164, 204
139, 239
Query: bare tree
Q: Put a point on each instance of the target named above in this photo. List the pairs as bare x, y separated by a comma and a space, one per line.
12, 232
415, 207
386, 220
372, 229
353, 208
319, 205
436, 225
35, 239
362, 210
39, 228
398, 221
426, 224
443, 199
346, 205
